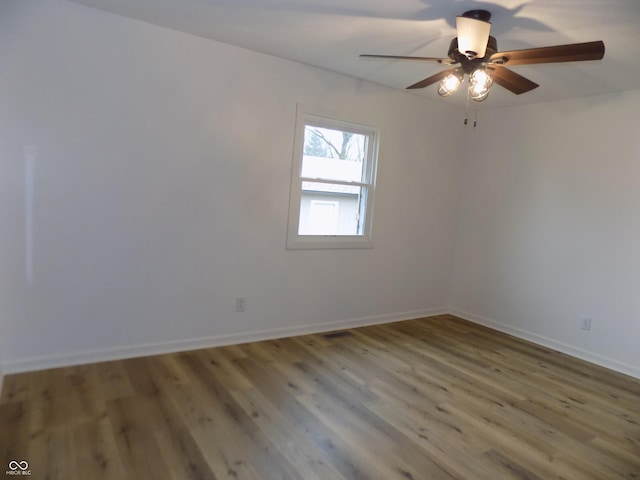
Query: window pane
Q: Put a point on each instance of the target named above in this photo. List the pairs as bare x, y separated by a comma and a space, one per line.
322, 218
331, 209
333, 154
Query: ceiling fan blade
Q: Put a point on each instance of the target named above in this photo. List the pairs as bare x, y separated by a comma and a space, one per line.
432, 79
444, 61
575, 52
512, 81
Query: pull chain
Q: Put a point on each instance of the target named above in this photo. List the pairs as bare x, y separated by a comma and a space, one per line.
466, 112
475, 118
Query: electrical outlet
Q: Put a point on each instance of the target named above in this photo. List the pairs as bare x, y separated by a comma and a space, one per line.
241, 304
586, 324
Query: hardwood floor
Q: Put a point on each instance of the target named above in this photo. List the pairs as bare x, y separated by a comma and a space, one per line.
437, 398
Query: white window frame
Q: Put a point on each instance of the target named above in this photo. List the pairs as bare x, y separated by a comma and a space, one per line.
311, 116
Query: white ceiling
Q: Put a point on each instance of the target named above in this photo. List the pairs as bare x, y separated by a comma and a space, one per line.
331, 33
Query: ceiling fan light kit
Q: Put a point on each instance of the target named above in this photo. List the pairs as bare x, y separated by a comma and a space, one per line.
479, 84
474, 52
450, 84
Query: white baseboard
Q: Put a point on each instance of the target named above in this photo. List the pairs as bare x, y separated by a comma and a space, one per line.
550, 343
142, 350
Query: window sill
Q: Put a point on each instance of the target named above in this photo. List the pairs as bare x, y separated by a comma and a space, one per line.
322, 242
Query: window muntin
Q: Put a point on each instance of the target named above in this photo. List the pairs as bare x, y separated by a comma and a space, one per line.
332, 184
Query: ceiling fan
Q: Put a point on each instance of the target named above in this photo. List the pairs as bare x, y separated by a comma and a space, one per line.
475, 53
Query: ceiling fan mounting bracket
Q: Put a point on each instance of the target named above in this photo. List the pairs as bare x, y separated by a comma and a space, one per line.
482, 15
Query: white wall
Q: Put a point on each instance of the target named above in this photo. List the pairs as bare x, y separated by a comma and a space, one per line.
549, 227
159, 192
144, 182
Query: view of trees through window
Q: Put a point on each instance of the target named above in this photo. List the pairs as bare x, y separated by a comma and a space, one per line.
324, 142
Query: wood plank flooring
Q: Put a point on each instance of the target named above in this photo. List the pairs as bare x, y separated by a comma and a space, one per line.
436, 398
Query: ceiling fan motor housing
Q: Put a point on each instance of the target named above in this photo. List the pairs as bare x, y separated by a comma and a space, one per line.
467, 64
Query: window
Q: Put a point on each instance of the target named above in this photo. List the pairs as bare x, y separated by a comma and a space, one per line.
332, 183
